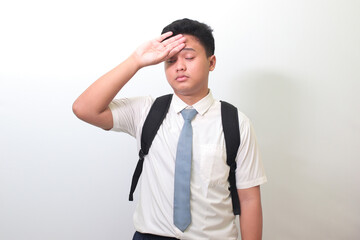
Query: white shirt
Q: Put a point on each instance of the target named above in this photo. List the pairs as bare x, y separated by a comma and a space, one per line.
211, 207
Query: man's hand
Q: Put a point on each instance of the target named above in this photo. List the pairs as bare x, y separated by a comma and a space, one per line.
158, 50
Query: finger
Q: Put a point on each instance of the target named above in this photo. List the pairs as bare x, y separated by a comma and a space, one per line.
172, 39
164, 36
174, 43
176, 50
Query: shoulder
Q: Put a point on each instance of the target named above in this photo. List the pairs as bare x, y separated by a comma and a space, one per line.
244, 121
139, 106
134, 102
129, 113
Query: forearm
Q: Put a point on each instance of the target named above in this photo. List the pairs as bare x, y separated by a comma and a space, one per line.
92, 105
96, 98
251, 220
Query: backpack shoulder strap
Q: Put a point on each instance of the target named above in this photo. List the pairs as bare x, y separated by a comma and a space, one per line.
154, 120
230, 123
151, 125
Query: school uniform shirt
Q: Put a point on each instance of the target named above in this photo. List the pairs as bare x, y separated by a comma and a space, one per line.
211, 207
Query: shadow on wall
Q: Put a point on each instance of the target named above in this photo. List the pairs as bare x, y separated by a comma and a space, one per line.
272, 102
275, 104
298, 125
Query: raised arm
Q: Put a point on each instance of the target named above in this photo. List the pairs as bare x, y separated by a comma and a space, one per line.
92, 105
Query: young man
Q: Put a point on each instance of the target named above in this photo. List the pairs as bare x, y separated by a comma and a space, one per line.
187, 49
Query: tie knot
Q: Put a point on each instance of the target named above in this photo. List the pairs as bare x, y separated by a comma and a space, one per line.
188, 114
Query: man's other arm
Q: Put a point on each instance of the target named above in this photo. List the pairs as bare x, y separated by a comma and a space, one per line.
251, 219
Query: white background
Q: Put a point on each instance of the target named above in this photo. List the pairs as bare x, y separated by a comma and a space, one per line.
292, 66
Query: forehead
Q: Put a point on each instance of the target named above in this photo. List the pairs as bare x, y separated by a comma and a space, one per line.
193, 44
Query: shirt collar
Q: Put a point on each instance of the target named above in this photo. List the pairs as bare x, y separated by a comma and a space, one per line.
201, 106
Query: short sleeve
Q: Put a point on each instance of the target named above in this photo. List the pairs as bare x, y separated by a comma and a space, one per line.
129, 113
250, 171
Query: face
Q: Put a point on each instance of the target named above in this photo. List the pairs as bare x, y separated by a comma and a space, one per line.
188, 71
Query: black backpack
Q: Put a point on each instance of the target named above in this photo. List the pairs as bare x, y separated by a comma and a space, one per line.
230, 123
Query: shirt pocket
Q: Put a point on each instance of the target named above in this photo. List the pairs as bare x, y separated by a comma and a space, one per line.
214, 169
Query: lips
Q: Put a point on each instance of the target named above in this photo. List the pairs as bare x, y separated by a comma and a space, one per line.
181, 78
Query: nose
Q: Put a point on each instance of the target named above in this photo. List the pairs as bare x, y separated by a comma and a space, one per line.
180, 65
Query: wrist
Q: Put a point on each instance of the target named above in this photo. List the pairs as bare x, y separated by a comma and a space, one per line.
135, 61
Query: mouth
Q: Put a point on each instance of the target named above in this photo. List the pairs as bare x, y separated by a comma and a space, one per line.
181, 78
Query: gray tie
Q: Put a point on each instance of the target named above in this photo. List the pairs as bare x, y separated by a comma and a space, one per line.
182, 217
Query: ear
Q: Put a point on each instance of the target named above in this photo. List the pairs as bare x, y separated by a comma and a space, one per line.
212, 62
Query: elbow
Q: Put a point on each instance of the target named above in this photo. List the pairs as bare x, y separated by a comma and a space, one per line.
86, 113
78, 110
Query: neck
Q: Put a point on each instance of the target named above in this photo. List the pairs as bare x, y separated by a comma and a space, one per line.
192, 99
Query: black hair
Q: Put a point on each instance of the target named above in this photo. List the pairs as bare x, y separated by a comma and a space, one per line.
194, 28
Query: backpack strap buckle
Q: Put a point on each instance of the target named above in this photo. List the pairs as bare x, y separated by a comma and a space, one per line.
141, 155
